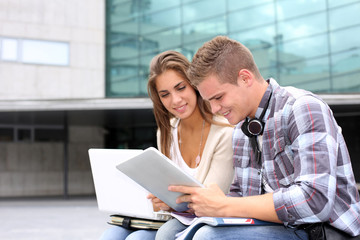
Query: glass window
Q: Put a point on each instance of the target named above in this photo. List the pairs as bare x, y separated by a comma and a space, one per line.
347, 83
24, 134
346, 62
270, 72
120, 32
164, 40
45, 52
236, 4
309, 74
203, 9
292, 8
6, 134
130, 87
162, 4
261, 43
344, 16
161, 20
124, 69
9, 49
124, 49
345, 40
190, 49
250, 18
336, 3
205, 30
118, 12
301, 49
49, 135
303, 27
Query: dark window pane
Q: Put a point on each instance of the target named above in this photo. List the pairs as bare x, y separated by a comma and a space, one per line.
6, 134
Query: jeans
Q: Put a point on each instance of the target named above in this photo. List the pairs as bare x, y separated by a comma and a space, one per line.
120, 233
169, 229
280, 232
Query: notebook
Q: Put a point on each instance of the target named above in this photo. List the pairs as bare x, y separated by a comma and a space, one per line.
155, 172
115, 192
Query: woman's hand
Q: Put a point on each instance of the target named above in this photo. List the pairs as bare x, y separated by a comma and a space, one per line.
158, 204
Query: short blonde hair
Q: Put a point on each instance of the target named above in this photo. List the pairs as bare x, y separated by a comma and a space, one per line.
222, 57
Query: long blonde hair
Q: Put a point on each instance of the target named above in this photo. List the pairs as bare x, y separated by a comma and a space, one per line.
170, 60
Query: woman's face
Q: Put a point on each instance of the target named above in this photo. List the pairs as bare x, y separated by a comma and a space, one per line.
176, 94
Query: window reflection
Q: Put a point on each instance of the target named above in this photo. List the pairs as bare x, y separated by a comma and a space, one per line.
344, 16
288, 9
197, 10
345, 40
305, 43
303, 27
158, 21
306, 73
303, 48
204, 30
252, 17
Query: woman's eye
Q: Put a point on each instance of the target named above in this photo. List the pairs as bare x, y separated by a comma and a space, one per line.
164, 95
181, 88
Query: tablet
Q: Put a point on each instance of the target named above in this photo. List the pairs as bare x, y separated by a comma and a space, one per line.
155, 172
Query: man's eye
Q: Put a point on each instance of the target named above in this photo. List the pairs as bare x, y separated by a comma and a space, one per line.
218, 98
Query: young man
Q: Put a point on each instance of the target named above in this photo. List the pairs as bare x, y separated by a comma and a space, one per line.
291, 162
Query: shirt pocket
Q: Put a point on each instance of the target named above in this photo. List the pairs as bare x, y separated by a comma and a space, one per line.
283, 170
242, 152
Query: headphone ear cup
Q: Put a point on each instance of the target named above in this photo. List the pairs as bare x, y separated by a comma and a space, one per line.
244, 128
255, 127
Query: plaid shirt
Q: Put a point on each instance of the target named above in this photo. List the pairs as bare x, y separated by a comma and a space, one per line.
304, 160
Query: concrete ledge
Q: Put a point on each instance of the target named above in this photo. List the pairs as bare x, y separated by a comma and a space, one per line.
341, 99
75, 104
126, 103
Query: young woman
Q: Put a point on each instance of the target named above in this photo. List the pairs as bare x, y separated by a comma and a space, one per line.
188, 133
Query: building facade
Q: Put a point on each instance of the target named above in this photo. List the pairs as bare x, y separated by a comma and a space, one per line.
73, 75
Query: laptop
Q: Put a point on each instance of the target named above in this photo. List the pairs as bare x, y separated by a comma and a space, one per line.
115, 192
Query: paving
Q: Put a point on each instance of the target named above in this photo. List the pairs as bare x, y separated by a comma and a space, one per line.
56, 219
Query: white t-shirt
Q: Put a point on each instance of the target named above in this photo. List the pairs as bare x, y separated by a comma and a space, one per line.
175, 153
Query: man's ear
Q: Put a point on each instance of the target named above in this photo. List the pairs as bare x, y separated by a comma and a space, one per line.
245, 77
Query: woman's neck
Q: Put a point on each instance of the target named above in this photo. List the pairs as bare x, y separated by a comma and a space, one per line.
192, 121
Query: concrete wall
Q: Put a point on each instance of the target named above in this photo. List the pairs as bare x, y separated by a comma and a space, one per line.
78, 22
37, 169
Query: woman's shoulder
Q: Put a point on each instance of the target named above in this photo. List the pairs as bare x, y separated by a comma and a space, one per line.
221, 125
221, 122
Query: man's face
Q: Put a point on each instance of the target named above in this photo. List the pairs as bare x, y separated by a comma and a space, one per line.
229, 100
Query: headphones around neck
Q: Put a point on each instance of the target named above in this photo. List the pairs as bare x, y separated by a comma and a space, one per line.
255, 126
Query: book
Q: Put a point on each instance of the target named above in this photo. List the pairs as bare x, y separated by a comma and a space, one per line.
194, 223
135, 223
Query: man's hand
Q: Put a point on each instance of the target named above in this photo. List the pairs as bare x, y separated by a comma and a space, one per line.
208, 201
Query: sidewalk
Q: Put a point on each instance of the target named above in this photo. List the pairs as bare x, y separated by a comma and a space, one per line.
56, 219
